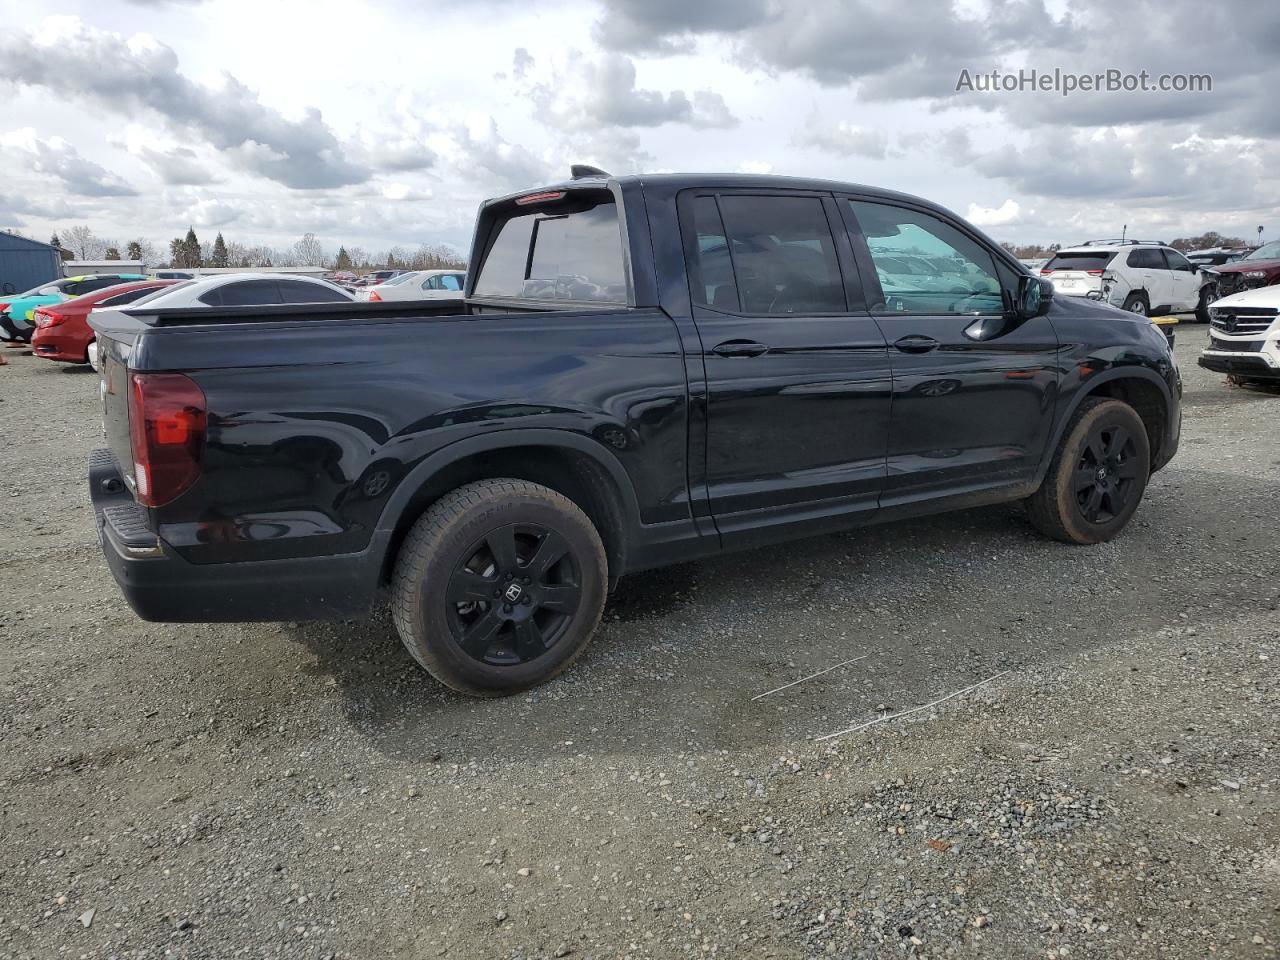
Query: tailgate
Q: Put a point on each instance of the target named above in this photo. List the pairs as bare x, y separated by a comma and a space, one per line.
1075, 281
117, 338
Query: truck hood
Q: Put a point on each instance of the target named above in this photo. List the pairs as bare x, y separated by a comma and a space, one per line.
1244, 266
1257, 297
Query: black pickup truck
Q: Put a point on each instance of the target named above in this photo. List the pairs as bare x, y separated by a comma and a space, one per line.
645, 370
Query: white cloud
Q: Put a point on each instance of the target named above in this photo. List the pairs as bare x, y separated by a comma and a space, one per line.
1007, 213
391, 126
58, 158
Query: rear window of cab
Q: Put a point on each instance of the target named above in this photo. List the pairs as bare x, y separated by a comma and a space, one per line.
566, 252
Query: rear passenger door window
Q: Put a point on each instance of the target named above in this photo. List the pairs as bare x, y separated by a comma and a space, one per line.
767, 255
1145, 260
246, 293
923, 264
295, 291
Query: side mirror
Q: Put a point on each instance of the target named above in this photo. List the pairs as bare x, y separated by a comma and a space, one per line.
1034, 297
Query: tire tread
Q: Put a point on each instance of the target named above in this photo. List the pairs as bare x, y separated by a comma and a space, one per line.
426, 536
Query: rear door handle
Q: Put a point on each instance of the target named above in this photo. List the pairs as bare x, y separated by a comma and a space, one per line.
739, 348
916, 343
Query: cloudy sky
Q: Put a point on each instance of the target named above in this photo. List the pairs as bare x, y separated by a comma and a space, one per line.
379, 123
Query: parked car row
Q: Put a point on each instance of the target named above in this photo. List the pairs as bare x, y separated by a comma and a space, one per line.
17, 311
1143, 277
418, 285
1150, 277
54, 318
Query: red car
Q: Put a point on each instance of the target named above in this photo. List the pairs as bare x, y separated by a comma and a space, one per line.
62, 329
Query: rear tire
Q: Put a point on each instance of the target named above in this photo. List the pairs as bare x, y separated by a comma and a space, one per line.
499, 587
1097, 477
1137, 303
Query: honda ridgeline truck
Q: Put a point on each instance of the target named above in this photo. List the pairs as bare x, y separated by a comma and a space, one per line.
645, 370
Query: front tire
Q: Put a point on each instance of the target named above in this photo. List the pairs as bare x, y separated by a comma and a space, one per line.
1097, 476
499, 586
1207, 296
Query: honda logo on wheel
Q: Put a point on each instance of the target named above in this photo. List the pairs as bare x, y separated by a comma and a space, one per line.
513, 593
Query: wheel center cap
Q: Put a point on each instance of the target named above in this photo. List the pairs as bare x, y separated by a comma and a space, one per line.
1102, 473
513, 593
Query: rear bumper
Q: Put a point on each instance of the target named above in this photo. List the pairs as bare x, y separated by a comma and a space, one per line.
47, 342
161, 586
12, 329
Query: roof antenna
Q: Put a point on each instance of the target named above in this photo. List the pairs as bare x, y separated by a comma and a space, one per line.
1123, 231
583, 171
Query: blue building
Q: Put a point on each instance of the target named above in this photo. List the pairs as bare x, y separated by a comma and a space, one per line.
26, 263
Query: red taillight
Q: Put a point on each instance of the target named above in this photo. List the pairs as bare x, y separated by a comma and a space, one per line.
373, 295
1045, 271
540, 197
167, 422
1094, 273
47, 318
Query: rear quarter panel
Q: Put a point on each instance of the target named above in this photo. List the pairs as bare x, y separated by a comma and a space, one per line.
313, 426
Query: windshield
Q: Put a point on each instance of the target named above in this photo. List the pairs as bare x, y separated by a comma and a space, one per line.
44, 290
1268, 251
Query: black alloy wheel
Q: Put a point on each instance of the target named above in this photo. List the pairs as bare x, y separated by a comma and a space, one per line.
499, 586
1096, 479
514, 596
1107, 474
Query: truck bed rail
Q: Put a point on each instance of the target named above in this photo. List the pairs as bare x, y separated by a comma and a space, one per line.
267, 313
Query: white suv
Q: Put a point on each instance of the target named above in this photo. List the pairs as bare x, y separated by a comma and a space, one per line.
1141, 277
1244, 336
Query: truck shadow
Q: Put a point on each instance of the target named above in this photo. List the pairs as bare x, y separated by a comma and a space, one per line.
934, 604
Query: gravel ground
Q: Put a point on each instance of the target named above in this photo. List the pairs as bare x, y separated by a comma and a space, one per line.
305, 791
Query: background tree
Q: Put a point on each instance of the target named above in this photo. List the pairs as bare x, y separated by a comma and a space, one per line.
186, 252
195, 256
1207, 240
343, 260
308, 252
111, 253
244, 256
54, 241
134, 250
437, 257
218, 258
84, 243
